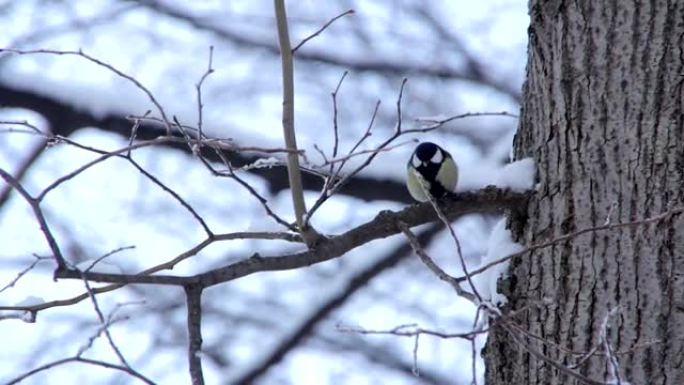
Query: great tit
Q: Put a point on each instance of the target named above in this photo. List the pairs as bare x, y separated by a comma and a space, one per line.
437, 169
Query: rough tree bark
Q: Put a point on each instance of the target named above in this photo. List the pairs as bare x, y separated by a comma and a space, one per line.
602, 118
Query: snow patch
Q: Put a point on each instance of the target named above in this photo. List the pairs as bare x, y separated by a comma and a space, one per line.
264, 163
30, 301
517, 176
500, 245
23, 315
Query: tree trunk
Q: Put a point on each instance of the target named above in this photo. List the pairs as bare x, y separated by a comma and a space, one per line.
602, 118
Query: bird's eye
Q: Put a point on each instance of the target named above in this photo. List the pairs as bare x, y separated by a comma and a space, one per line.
416, 162
437, 158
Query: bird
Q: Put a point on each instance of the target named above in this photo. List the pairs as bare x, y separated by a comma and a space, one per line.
431, 168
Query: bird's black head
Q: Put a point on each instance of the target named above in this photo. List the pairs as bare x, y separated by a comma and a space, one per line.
426, 150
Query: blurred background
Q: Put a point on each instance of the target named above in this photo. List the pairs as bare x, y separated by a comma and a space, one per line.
267, 328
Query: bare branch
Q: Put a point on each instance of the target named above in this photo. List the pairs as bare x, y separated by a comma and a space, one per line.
40, 217
385, 224
88, 361
193, 296
288, 115
415, 370
24, 166
290, 237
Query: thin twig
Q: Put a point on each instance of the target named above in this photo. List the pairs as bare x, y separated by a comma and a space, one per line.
175, 196
231, 173
411, 330
318, 32
111, 320
425, 258
105, 325
335, 121
23, 167
32, 128
134, 133
343, 181
103, 64
200, 104
263, 201
473, 348
184, 133
564, 369
656, 218
121, 153
345, 158
98, 333
332, 175
30, 267
367, 134
399, 99
107, 255
436, 123
426, 191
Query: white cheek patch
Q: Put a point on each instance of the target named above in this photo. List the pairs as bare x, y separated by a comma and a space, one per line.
415, 161
437, 158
